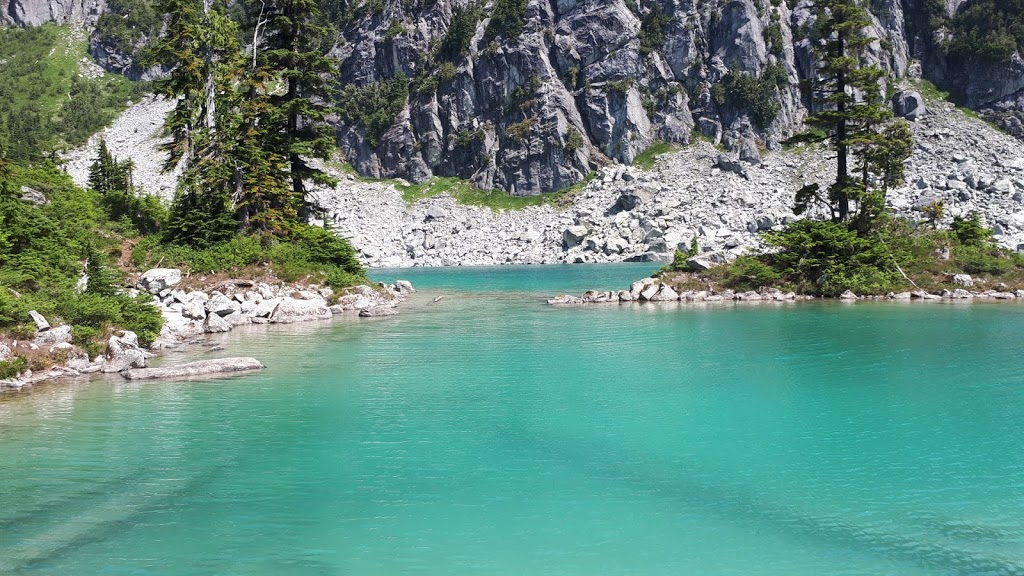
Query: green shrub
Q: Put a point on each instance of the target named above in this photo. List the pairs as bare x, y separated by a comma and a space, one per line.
680, 257
456, 42
44, 103
125, 23
573, 140
94, 311
745, 93
507, 19
750, 273
620, 86
374, 106
828, 258
520, 130
969, 231
974, 259
11, 368
395, 30
308, 252
652, 30
989, 30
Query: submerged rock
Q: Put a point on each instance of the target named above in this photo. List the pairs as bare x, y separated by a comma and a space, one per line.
220, 366
378, 311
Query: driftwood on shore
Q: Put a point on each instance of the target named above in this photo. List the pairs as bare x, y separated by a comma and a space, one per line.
217, 367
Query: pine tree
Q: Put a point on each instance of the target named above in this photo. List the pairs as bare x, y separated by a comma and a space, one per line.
853, 116
265, 201
101, 279
296, 45
103, 171
200, 44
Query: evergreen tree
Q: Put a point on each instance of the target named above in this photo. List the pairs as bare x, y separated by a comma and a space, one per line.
101, 279
265, 200
296, 44
200, 44
853, 116
103, 171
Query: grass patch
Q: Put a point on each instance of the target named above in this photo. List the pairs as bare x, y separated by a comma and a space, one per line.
464, 193
309, 255
44, 103
932, 92
646, 159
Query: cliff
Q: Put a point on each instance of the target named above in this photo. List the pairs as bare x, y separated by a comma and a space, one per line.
534, 104
38, 12
529, 96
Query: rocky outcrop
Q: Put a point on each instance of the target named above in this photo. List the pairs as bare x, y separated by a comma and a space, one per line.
199, 369
630, 214
158, 279
233, 303
124, 353
592, 81
597, 81
39, 12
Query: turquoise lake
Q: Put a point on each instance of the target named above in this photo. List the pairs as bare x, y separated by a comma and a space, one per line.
491, 434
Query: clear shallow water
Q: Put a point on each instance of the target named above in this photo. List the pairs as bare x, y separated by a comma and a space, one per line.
492, 434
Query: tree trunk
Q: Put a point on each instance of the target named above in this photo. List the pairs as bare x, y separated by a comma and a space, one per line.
842, 173
209, 59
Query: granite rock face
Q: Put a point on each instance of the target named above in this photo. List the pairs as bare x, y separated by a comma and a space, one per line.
597, 81
39, 12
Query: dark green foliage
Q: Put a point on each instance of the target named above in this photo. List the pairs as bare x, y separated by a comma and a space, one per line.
102, 311
141, 213
200, 219
507, 20
984, 259
573, 140
135, 213
680, 257
652, 29
102, 280
308, 253
970, 232
126, 23
828, 257
395, 30
39, 73
106, 174
520, 131
11, 368
374, 106
773, 34
744, 92
854, 118
297, 46
460, 33
988, 30
750, 273
45, 252
620, 87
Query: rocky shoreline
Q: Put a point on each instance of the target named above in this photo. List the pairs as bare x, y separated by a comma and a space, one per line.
654, 290
190, 315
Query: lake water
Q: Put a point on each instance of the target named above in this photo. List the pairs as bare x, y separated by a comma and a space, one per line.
492, 434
